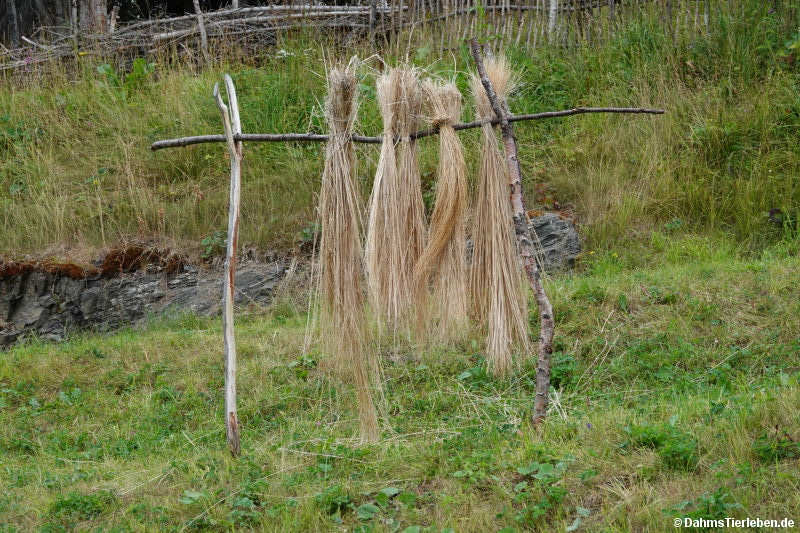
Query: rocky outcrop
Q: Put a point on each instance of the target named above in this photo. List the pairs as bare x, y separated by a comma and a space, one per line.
49, 300
558, 242
50, 304
556, 239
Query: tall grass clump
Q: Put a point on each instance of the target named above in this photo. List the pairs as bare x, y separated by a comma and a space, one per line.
719, 159
340, 252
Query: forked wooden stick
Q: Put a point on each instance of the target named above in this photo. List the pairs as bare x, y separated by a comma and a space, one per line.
233, 126
524, 242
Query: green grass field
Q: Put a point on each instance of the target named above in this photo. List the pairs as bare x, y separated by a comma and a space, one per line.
676, 392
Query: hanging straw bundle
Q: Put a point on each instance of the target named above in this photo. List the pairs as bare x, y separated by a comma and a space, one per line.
341, 267
443, 263
396, 226
498, 297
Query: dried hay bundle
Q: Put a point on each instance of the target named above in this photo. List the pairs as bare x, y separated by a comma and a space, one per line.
443, 263
396, 226
341, 267
499, 300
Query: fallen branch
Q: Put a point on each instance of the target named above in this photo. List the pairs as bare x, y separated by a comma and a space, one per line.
314, 137
351, 10
524, 242
244, 21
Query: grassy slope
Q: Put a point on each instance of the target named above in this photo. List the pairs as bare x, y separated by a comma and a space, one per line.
670, 382
677, 355
75, 169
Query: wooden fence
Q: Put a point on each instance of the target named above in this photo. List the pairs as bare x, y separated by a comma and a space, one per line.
447, 23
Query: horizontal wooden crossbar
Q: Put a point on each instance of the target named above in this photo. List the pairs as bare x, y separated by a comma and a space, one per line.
317, 137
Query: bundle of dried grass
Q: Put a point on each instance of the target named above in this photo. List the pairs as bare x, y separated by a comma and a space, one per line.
499, 300
341, 267
443, 264
396, 226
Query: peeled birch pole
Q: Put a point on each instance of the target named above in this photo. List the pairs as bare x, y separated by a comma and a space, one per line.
524, 243
551, 19
233, 126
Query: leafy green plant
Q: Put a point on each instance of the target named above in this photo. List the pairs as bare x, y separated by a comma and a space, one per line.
563, 369
476, 377
673, 225
244, 512
76, 506
302, 365
309, 235
131, 81
539, 492
191, 497
214, 244
334, 500
710, 506
677, 450
773, 448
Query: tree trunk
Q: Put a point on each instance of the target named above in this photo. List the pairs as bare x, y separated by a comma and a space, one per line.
74, 21
60, 12
100, 19
84, 14
92, 15
13, 23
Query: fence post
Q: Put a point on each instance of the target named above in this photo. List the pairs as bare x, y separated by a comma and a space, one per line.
202, 27
233, 126
551, 21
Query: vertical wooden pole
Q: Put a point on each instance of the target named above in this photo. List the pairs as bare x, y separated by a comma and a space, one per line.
74, 21
524, 243
100, 17
113, 19
233, 126
551, 20
202, 27
372, 15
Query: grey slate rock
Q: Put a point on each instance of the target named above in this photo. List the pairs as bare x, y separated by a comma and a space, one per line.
50, 306
558, 242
